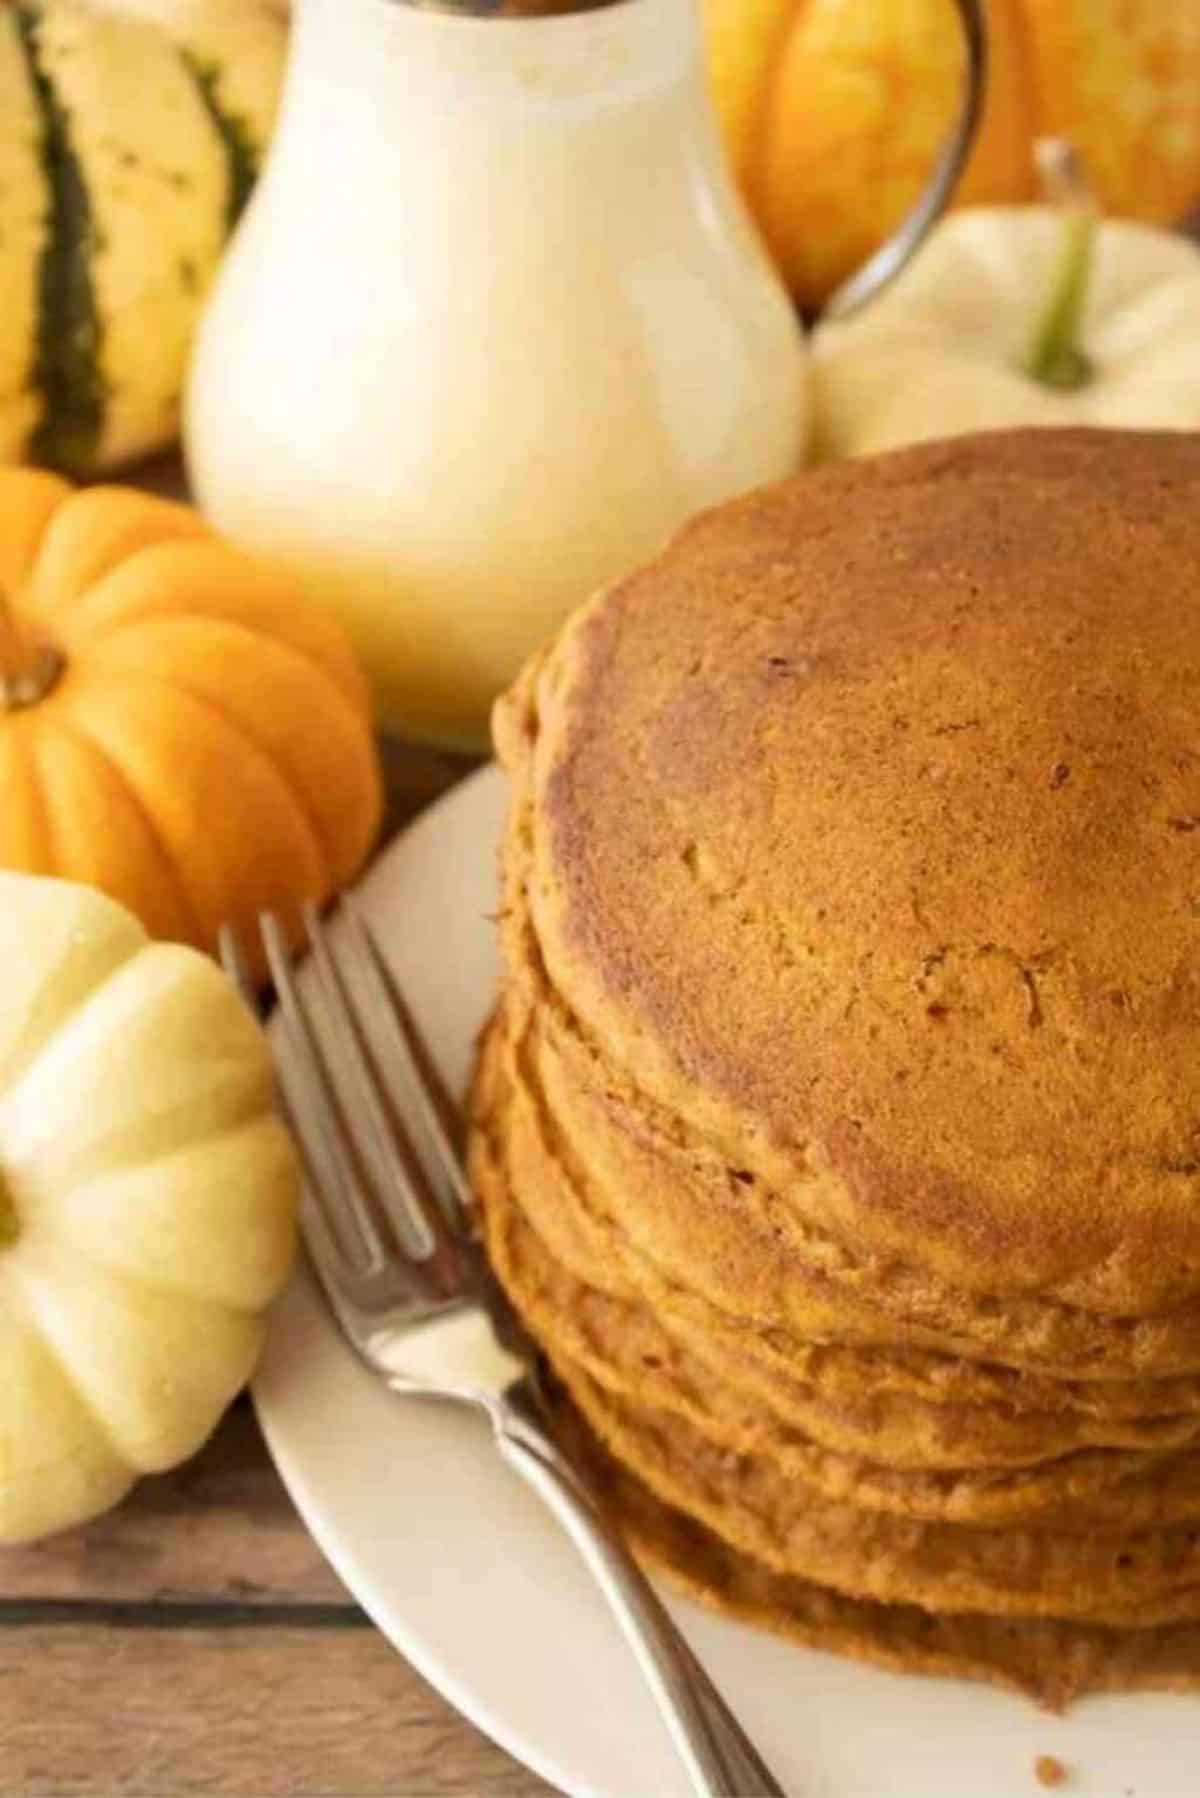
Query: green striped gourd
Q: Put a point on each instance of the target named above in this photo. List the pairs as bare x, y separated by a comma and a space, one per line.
130, 135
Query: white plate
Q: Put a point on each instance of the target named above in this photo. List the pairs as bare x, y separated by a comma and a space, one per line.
461, 1569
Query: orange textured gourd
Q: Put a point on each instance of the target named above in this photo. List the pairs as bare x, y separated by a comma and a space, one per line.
833, 111
178, 726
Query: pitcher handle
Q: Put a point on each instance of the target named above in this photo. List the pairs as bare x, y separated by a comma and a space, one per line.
914, 227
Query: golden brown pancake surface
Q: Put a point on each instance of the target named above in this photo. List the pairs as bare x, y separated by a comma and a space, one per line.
864, 835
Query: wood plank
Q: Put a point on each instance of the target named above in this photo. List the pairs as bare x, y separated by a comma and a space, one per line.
220, 1528
241, 1713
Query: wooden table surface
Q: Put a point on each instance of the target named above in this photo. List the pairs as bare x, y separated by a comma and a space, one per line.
195, 1642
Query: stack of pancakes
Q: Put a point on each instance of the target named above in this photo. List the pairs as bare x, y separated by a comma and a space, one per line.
838, 1131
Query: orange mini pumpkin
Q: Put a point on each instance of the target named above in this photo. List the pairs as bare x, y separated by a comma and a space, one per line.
178, 726
833, 111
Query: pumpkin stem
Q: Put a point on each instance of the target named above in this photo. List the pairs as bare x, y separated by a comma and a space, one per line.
1054, 356
9, 1229
28, 669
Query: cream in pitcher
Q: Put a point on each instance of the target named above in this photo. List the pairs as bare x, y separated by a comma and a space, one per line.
495, 324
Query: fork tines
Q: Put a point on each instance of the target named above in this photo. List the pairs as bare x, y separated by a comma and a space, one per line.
363, 1100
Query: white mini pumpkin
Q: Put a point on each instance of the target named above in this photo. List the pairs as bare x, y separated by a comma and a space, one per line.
946, 348
147, 1195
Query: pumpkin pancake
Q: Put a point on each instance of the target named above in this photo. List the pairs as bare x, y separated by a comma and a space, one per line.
727, 1232
619, 1345
1054, 1662
850, 1398
861, 837
838, 1130
1132, 1579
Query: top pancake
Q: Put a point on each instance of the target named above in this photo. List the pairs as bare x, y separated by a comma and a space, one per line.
862, 830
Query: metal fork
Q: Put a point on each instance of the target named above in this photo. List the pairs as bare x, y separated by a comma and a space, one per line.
387, 1222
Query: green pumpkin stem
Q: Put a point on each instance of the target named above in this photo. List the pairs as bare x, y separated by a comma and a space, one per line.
1054, 356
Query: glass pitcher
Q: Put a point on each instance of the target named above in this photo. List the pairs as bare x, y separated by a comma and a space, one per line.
495, 323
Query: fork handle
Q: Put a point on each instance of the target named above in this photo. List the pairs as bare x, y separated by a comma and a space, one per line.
720, 1759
